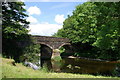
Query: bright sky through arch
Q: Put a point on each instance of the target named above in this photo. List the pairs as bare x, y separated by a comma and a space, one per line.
47, 17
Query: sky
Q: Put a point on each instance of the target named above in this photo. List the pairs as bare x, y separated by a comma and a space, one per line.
46, 18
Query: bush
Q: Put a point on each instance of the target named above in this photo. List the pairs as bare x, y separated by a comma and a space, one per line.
32, 54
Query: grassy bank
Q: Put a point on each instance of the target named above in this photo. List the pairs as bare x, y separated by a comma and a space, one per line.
10, 70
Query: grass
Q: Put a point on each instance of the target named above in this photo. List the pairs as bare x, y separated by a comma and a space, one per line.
20, 71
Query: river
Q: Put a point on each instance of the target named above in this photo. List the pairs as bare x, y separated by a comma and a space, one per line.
83, 66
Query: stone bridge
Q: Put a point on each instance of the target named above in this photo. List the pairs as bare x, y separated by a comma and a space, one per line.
50, 46
52, 42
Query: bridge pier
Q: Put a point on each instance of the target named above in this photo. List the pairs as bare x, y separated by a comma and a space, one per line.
56, 53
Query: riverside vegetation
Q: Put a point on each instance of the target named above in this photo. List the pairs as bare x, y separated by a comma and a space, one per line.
17, 70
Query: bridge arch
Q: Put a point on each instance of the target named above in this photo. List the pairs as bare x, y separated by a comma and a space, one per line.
46, 51
49, 45
68, 50
64, 44
46, 45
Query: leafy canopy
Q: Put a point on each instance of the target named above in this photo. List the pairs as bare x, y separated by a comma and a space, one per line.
14, 28
96, 24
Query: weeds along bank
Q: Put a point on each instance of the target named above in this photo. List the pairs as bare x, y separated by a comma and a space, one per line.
17, 70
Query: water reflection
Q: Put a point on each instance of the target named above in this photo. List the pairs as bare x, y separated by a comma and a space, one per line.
78, 65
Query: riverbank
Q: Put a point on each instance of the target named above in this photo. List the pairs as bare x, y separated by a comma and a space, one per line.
10, 69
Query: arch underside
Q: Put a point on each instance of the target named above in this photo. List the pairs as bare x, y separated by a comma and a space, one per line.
46, 45
54, 45
64, 44
49, 51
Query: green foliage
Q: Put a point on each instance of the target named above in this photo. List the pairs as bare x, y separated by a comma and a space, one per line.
14, 29
107, 36
57, 58
96, 24
62, 49
44, 68
32, 54
116, 72
77, 27
13, 19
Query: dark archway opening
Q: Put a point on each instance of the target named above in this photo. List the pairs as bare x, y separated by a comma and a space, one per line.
46, 54
66, 50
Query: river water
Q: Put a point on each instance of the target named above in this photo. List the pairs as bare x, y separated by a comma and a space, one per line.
82, 66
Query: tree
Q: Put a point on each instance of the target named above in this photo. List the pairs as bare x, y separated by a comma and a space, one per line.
77, 26
108, 36
14, 28
96, 24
